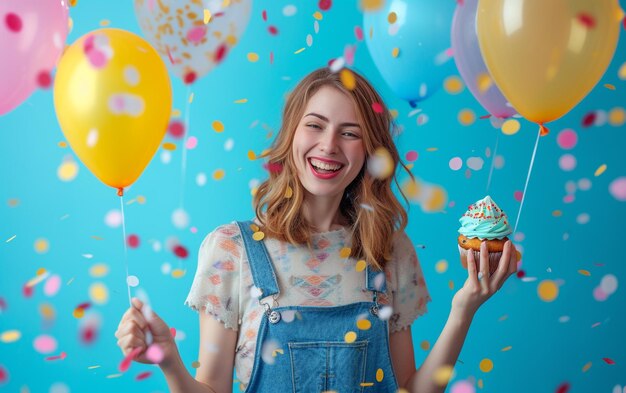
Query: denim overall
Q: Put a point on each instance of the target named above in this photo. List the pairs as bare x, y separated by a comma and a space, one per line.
309, 353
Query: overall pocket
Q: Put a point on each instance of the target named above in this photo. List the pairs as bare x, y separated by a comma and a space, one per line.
326, 365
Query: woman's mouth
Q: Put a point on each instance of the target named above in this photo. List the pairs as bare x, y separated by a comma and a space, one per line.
323, 169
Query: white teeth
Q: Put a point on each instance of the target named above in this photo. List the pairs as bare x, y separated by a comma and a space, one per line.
323, 165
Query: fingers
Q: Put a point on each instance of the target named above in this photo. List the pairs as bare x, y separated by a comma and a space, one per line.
513, 261
503, 266
130, 328
484, 264
471, 268
134, 314
128, 343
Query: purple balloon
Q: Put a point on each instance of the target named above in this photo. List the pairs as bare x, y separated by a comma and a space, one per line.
469, 61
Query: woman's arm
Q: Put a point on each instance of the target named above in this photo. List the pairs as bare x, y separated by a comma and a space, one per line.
465, 303
216, 357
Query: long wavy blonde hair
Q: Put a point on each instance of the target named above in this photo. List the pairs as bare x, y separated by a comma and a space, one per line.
369, 204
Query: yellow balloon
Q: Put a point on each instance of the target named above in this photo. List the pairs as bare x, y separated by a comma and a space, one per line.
113, 99
546, 55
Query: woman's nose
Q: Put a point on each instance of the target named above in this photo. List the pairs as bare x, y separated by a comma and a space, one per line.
328, 142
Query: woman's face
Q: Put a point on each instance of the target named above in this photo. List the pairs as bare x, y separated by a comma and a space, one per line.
327, 147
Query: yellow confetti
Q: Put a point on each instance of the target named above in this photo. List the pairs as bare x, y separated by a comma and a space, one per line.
105, 22
253, 57
584, 272
392, 17
425, 345
480, 383
218, 174
13, 202
505, 349
68, 170
288, 192
380, 374
600, 170
586, 367
432, 149
258, 236
93, 367
622, 72
10, 336
79, 312
360, 265
255, 227
241, 101
486, 365
371, 5
484, 82
169, 146
395, 52
175, 112
141, 199
467, 117
345, 252
350, 337
62, 144
277, 351
225, 3
178, 273
366, 384
557, 213
99, 270
609, 86
443, 374
318, 15
441, 266
347, 79
218, 126
251, 155
394, 113
453, 84
617, 117
195, 364
451, 284
363, 324
511, 127
99, 293
207, 16
73, 3
547, 290
190, 98
41, 246
299, 51
46, 311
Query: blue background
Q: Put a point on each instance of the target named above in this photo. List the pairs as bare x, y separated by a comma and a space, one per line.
551, 341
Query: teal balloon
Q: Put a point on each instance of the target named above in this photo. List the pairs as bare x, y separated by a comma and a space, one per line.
421, 34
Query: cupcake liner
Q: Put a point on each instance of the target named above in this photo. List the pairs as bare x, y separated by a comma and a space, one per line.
494, 259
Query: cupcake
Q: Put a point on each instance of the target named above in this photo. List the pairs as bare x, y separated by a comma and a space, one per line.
483, 221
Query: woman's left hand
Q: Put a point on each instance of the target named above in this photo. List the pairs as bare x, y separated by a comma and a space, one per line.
477, 290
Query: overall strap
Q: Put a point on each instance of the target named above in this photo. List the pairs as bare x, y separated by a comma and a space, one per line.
260, 264
372, 283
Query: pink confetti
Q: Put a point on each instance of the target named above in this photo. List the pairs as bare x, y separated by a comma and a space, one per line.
45, 344
220, 53
180, 251
155, 353
196, 34
44, 80
325, 4
569, 198
125, 363
176, 129
52, 285
599, 294
617, 188
143, 375
411, 156
192, 143
62, 356
567, 139
567, 162
264, 15
272, 30
173, 332
455, 163
4, 375
377, 107
348, 54
358, 33
563, 388
518, 195
132, 241
608, 360
13, 22
190, 77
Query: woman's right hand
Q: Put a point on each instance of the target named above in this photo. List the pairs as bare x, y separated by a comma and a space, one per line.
133, 330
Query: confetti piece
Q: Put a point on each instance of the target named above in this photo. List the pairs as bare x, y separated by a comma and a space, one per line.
380, 374
486, 365
258, 236
547, 290
178, 273
364, 324
608, 361
241, 101
218, 174
125, 363
207, 16
10, 336
155, 353
253, 57
377, 107
395, 52
466, 117
584, 272
347, 79
371, 5
218, 126
61, 356
443, 375
586, 367
143, 375
345, 252
360, 265
350, 337
299, 51
132, 241
318, 15
441, 266
600, 170
288, 192
609, 86
506, 349
272, 30
567, 139
453, 85
45, 344
251, 155
510, 127
425, 345
563, 388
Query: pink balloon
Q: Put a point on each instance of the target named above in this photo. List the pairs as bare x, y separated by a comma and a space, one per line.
32, 37
469, 60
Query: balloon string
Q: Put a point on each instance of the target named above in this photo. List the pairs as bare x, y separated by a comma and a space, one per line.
532, 161
125, 247
183, 169
493, 162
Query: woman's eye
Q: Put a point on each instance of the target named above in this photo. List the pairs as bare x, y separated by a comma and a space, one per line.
351, 134
314, 126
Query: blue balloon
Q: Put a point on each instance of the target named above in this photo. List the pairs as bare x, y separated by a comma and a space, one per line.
418, 33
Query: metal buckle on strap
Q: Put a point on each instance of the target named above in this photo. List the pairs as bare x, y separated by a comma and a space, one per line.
376, 307
272, 315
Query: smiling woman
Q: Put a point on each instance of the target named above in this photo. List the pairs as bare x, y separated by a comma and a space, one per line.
318, 292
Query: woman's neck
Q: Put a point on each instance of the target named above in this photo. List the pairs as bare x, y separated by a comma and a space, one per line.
323, 213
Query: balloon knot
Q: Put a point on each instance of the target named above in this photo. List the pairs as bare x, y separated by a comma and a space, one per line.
413, 104
543, 130
120, 191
